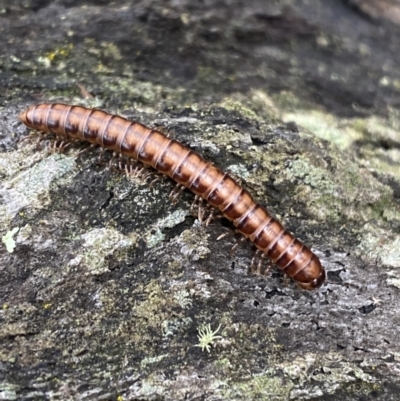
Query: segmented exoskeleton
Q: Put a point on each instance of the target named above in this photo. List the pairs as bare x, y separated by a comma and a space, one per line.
189, 169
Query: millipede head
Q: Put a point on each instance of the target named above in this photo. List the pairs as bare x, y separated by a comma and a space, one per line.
314, 284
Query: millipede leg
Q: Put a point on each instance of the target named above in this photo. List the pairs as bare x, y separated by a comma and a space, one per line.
42, 136
59, 146
121, 162
39, 136
101, 154
260, 256
200, 210
28, 138
131, 169
87, 148
144, 173
127, 169
124, 164
260, 263
176, 193
194, 203
111, 162
224, 235
214, 214
117, 161
198, 203
64, 145
210, 217
137, 170
237, 244
51, 148
286, 280
252, 263
157, 179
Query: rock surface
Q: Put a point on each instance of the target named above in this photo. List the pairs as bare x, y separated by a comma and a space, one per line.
110, 292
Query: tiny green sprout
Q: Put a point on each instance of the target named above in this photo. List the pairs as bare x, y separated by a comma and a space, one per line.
206, 337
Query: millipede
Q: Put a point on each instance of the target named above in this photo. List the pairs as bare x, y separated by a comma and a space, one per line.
188, 169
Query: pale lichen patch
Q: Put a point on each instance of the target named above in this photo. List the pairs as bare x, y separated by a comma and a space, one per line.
238, 171
380, 244
154, 235
151, 360
98, 245
333, 373
171, 327
194, 243
30, 187
325, 126
8, 239
13, 162
8, 391
395, 282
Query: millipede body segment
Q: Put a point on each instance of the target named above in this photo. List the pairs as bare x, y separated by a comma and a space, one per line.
189, 169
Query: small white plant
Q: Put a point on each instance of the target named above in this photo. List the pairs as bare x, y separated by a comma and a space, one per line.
207, 337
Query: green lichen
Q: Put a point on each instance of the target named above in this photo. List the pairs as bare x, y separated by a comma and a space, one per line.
330, 195
377, 131
263, 386
60, 52
241, 106
325, 126
152, 309
313, 176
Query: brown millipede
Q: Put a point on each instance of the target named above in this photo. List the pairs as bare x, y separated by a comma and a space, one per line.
189, 169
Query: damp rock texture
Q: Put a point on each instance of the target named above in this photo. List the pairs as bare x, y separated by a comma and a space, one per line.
108, 291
